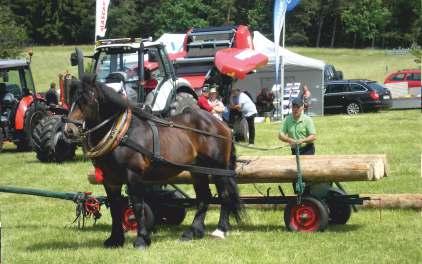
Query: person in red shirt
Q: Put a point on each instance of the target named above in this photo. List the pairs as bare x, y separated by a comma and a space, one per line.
203, 99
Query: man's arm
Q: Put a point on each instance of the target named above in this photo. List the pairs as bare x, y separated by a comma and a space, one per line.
309, 139
283, 137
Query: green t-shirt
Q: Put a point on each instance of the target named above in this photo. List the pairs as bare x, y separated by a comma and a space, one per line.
299, 129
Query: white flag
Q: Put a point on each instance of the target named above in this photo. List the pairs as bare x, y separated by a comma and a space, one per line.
280, 7
101, 18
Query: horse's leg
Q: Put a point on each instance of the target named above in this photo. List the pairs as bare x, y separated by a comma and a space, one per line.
116, 203
203, 195
223, 195
136, 195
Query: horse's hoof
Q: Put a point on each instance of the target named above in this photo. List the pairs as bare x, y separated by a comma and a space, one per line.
141, 243
187, 236
114, 243
191, 234
219, 234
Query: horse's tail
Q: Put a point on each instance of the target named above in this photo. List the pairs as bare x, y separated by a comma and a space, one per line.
236, 207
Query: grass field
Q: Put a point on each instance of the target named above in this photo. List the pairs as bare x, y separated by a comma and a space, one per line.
371, 64
39, 230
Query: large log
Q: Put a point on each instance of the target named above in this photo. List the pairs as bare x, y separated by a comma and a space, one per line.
394, 201
318, 168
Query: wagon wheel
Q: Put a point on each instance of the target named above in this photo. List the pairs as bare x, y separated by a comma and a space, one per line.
129, 221
241, 129
171, 214
308, 216
339, 212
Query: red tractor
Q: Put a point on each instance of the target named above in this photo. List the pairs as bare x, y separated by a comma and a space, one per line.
21, 108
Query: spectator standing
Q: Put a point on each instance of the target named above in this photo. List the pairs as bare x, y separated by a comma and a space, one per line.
264, 101
305, 94
215, 103
203, 99
51, 96
241, 102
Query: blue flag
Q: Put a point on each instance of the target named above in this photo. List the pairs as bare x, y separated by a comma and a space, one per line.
291, 4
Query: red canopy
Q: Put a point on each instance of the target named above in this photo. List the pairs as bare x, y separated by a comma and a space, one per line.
237, 63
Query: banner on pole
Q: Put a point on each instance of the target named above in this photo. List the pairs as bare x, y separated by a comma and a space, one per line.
291, 4
278, 20
101, 11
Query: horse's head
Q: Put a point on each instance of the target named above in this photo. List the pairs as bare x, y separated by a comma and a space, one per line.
85, 106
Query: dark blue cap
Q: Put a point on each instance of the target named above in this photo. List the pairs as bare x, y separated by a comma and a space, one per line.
297, 101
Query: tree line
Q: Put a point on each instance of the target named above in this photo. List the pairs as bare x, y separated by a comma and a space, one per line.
317, 23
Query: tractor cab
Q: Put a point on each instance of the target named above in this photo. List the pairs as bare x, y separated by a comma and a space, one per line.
20, 107
15, 83
139, 69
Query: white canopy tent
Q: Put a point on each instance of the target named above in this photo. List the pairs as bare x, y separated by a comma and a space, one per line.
297, 68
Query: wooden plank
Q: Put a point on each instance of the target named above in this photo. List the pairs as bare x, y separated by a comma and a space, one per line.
318, 168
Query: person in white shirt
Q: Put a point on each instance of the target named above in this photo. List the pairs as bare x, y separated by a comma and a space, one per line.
241, 102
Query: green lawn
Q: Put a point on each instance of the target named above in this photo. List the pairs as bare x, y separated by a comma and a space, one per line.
372, 64
39, 230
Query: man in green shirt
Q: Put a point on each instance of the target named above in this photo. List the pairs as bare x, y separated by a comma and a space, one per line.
298, 128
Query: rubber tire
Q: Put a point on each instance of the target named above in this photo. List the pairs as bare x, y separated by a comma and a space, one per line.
339, 213
241, 130
49, 143
150, 218
182, 103
353, 108
33, 115
171, 215
319, 208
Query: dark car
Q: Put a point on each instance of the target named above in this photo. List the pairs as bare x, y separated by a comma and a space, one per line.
355, 96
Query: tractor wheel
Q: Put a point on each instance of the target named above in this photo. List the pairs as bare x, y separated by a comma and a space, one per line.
183, 102
308, 216
129, 221
36, 112
339, 212
49, 142
241, 130
171, 215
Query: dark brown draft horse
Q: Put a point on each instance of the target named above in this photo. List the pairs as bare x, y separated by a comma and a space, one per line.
101, 117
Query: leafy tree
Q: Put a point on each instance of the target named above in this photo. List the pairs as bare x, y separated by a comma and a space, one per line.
123, 19
365, 18
260, 16
178, 16
12, 36
221, 12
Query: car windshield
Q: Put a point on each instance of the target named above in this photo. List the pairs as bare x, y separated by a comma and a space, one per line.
376, 86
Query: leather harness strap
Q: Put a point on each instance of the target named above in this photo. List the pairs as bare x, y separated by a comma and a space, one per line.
128, 142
